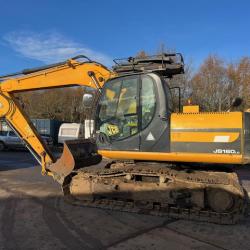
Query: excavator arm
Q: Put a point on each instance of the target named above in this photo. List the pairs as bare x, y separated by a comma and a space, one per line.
66, 74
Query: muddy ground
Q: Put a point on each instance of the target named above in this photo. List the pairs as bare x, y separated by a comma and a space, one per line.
34, 215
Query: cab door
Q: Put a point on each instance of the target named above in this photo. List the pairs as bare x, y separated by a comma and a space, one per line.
155, 108
119, 114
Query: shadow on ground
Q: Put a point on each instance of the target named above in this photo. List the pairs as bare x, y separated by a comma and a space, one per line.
31, 221
16, 159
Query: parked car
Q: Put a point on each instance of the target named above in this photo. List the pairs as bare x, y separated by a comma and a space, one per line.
9, 140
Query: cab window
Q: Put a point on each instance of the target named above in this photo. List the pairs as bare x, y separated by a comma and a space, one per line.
118, 113
170, 100
148, 100
109, 100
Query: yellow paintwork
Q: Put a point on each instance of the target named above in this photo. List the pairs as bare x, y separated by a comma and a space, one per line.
191, 109
173, 157
71, 74
201, 136
223, 120
205, 127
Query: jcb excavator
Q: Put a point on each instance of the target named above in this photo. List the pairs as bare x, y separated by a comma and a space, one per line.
163, 163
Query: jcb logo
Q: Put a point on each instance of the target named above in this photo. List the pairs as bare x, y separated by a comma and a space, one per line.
113, 130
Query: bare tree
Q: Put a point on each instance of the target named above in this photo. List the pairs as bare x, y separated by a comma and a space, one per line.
183, 81
61, 104
211, 88
239, 75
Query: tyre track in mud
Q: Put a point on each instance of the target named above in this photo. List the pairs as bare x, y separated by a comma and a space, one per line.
195, 238
165, 224
56, 221
7, 224
88, 239
59, 225
60, 231
140, 232
115, 215
118, 218
61, 228
67, 233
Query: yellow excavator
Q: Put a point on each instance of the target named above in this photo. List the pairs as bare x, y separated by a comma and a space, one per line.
162, 163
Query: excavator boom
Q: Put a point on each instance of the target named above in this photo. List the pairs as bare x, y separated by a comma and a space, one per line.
66, 74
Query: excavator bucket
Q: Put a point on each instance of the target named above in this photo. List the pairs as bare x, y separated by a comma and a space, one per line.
76, 154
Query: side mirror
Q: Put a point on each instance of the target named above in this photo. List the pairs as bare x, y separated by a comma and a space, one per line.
237, 102
87, 100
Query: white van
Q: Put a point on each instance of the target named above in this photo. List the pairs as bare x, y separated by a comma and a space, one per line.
70, 131
88, 128
74, 131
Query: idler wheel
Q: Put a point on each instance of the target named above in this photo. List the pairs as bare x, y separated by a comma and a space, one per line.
220, 201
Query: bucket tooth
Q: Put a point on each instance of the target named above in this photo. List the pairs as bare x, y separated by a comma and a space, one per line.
76, 154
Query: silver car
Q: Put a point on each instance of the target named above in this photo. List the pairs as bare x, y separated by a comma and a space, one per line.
9, 140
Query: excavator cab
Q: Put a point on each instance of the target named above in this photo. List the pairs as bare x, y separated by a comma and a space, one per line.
134, 108
133, 114
133, 111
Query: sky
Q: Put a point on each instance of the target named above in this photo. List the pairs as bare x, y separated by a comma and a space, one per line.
38, 32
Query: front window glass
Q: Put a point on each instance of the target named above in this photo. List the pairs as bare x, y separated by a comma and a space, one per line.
108, 104
118, 116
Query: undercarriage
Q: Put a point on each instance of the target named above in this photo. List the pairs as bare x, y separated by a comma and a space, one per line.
160, 189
